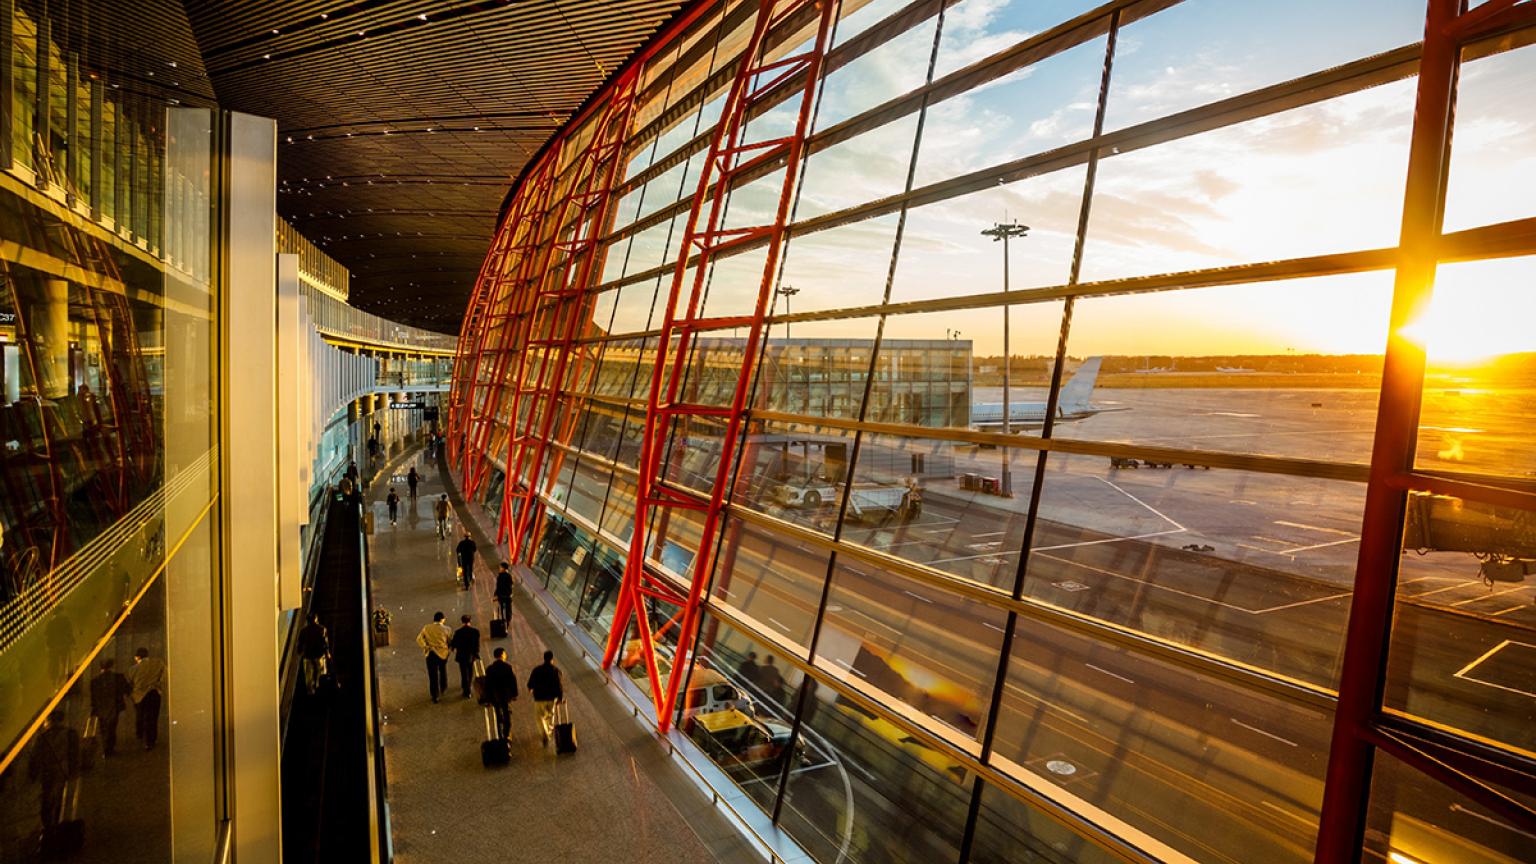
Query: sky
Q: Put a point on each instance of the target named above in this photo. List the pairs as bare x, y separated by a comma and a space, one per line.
1318, 179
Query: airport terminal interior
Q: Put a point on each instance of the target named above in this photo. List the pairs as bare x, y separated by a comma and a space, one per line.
784, 431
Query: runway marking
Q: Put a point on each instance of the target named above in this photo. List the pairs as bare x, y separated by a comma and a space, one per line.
1449, 588
990, 544
1109, 673
1315, 528
1486, 654
993, 626
777, 623
1102, 541
1194, 596
918, 596
1156, 512
988, 534
1263, 732
1284, 812
1489, 595
972, 557
1509, 610
1322, 545
1250, 435
1490, 820
1283, 606
1489, 653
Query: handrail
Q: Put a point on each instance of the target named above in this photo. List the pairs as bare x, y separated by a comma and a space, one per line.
380, 842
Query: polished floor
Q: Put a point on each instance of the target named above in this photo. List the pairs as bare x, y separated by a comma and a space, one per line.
618, 798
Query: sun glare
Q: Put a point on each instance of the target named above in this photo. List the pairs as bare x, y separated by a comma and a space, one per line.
1478, 312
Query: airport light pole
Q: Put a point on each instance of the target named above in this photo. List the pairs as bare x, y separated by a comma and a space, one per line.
1005, 231
788, 291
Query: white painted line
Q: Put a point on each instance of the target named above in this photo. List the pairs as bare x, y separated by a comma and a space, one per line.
1486, 654
1109, 673
1160, 514
1178, 530
968, 557
1283, 606
918, 596
1489, 595
1448, 588
990, 544
993, 626
1490, 820
1516, 608
1316, 528
1284, 812
1154, 585
1296, 549
988, 534
1264, 733
777, 623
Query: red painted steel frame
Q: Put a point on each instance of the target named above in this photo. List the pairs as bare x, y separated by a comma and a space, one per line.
596, 172
1357, 731
705, 235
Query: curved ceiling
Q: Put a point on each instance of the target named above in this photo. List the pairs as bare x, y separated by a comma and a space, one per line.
403, 122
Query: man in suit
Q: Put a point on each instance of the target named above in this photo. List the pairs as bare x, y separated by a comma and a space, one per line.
465, 553
434, 639
466, 650
501, 689
109, 696
544, 682
503, 592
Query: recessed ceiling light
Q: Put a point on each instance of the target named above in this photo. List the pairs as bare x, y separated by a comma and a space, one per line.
274, 31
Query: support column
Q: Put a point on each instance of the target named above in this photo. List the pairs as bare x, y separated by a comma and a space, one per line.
250, 483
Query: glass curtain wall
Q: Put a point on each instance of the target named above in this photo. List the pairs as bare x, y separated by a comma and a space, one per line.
1042, 537
108, 538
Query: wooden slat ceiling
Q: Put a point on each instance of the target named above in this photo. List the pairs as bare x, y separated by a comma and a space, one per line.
402, 122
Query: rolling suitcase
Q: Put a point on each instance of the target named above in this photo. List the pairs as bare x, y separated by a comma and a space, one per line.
477, 687
495, 753
498, 628
565, 733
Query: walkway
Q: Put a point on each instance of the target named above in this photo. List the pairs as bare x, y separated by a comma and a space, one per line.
618, 799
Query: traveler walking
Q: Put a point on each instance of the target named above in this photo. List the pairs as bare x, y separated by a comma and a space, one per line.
411, 480
433, 639
501, 690
394, 506
503, 592
466, 650
440, 511
147, 678
54, 762
314, 653
466, 555
109, 696
547, 690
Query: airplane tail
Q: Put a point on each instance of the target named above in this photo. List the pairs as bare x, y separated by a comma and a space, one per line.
1079, 388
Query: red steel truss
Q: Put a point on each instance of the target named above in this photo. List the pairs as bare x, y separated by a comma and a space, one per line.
505, 327
563, 306
731, 152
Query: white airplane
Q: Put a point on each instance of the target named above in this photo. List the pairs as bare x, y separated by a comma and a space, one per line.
1073, 405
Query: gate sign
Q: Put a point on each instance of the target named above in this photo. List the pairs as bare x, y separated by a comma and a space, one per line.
407, 406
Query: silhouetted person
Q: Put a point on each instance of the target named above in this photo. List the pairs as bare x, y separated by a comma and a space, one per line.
434, 639
394, 506
314, 652
503, 592
377, 431
545, 686
466, 650
749, 670
54, 762
465, 552
440, 513
501, 689
771, 681
109, 696
411, 480
148, 680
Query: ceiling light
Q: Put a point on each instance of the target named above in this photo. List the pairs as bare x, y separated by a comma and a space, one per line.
274, 31
324, 16
422, 16
266, 56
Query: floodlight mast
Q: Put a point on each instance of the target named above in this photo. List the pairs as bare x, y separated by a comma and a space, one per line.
1005, 231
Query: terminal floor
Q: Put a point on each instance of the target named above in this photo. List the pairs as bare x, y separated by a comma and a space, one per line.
618, 798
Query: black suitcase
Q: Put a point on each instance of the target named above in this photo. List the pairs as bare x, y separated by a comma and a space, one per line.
495, 753
498, 628
565, 733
